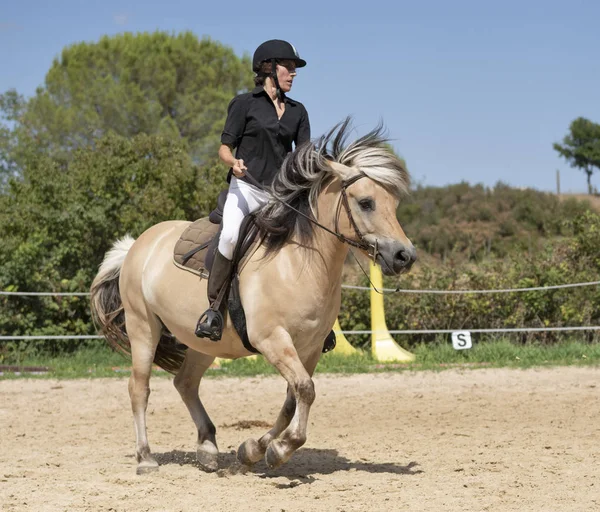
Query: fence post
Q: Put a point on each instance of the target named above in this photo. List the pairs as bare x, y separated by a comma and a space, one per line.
383, 346
342, 345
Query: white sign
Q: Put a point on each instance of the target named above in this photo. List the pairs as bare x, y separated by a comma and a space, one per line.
461, 340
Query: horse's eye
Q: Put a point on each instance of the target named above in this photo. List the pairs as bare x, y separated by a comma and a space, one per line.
367, 205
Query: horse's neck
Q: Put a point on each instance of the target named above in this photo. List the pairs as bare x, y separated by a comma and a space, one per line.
317, 266
327, 252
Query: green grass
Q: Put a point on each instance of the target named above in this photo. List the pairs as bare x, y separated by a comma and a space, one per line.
100, 361
95, 361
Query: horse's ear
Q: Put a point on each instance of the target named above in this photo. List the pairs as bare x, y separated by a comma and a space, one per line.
343, 172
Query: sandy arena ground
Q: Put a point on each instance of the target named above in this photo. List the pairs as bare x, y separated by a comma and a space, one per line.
473, 440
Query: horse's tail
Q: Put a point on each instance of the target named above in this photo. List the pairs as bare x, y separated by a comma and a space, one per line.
105, 299
109, 315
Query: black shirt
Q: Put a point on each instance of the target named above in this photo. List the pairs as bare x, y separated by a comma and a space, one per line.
262, 140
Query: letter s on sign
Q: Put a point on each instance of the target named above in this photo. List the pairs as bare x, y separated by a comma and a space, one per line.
461, 340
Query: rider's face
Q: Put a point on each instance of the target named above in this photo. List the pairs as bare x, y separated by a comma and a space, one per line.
286, 72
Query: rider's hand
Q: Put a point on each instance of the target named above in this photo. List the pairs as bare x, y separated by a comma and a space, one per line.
238, 168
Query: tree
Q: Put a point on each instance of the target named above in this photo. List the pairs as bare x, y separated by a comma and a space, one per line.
57, 222
156, 83
11, 108
122, 135
581, 147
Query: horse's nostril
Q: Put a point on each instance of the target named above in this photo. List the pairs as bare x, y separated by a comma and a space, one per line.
402, 256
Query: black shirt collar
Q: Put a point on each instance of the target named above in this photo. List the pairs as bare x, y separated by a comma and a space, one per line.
261, 90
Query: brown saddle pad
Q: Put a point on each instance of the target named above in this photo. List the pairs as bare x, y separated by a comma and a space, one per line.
192, 247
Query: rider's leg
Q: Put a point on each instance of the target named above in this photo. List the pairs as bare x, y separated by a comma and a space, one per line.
242, 199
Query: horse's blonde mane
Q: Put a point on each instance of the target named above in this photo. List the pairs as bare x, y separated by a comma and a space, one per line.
305, 172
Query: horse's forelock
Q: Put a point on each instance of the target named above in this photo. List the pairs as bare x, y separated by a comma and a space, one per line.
372, 155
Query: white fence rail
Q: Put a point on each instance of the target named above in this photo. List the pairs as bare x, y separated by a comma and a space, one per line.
505, 290
407, 331
54, 337
351, 287
46, 294
366, 288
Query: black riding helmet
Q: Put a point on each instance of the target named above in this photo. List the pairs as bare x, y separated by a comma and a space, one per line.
278, 50
274, 50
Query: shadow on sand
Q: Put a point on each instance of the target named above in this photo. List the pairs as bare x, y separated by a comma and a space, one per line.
303, 465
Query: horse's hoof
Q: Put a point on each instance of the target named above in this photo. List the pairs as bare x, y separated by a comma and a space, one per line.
250, 452
275, 455
146, 466
208, 462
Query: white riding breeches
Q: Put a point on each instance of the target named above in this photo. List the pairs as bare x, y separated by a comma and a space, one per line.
242, 199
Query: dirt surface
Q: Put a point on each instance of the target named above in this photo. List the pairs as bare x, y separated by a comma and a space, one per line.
498, 440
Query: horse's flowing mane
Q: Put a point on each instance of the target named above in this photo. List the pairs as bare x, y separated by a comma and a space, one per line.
305, 172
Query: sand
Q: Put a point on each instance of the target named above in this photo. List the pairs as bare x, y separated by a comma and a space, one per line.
498, 440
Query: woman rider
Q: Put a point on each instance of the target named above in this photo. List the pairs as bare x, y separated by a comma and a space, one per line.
261, 126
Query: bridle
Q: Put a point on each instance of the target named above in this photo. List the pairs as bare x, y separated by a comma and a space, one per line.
361, 243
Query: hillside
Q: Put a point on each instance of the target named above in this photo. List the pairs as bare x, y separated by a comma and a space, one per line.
593, 200
473, 221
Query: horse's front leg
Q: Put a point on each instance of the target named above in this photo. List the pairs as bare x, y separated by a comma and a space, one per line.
251, 451
293, 418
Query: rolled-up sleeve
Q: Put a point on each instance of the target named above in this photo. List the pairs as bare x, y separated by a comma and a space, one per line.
303, 133
235, 123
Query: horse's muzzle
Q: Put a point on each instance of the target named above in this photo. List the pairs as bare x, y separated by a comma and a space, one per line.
395, 257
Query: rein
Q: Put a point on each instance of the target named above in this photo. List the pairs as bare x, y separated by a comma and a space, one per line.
369, 248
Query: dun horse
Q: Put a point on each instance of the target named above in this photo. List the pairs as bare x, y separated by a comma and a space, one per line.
289, 285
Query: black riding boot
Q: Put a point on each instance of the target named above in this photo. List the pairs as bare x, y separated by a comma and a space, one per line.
210, 324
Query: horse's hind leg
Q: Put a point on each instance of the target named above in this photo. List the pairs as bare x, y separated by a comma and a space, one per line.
144, 331
187, 382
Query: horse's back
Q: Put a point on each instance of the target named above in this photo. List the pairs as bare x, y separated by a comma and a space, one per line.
167, 227
148, 246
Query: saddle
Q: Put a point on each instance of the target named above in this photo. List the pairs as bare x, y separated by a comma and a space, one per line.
195, 252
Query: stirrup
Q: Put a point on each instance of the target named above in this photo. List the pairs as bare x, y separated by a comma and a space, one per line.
210, 325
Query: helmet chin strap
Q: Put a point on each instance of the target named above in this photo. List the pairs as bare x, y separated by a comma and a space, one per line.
275, 79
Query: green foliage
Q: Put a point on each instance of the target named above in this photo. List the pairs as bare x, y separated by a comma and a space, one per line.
11, 152
581, 147
585, 248
59, 220
122, 135
176, 86
474, 222
571, 260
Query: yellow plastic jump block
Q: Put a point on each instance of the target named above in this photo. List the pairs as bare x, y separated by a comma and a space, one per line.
383, 346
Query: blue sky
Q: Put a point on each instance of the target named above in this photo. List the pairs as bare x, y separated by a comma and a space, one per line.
469, 90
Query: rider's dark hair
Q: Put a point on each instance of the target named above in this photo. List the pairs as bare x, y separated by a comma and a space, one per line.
265, 70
